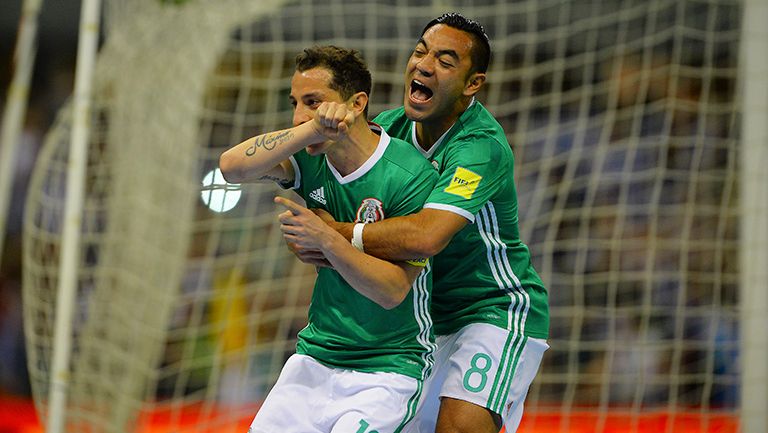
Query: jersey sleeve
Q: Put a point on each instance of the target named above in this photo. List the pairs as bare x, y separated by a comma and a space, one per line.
474, 170
296, 176
304, 166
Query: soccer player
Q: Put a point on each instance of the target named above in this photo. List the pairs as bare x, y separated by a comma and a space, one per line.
361, 360
489, 306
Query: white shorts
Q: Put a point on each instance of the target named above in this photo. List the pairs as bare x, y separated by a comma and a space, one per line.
311, 397
485, 365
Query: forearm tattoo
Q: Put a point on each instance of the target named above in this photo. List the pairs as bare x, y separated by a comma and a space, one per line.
285, 183
269, 141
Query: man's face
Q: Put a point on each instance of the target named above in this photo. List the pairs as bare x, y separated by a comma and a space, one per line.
437, 73
309, 89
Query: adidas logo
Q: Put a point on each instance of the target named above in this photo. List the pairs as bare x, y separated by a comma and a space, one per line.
318, 195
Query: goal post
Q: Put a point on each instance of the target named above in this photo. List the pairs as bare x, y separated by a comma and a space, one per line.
754, 227
16, 107
624, 118
73, 216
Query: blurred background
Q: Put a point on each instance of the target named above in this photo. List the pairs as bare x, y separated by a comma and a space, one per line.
51, 86
624, 117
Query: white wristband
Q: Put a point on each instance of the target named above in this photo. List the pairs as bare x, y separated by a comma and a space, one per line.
357, 236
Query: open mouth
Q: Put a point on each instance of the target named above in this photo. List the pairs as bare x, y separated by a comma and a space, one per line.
420, 92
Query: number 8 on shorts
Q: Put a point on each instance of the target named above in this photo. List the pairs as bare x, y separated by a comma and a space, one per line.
477, 375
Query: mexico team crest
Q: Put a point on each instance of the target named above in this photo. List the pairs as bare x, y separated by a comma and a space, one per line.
370, 210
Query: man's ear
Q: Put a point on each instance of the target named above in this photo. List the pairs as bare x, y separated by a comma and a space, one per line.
358, 102
474, 83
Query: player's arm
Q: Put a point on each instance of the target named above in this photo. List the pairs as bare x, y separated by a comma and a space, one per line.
422, 234
265, 157
381, 281
471, 177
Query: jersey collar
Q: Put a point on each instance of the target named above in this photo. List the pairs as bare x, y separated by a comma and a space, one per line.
431, 151
381, 147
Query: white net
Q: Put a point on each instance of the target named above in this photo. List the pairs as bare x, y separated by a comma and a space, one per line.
621, 114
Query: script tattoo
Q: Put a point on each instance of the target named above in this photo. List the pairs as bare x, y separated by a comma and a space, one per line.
268, 141
285, 183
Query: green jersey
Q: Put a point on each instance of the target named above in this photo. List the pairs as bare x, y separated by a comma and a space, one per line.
346, 329
485, 274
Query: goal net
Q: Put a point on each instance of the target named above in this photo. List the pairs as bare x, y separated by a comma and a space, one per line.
623, 118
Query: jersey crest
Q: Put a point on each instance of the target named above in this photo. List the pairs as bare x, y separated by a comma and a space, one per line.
370, 210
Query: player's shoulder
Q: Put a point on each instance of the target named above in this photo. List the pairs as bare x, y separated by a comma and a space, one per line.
391, 117
478, 123
402, 153
404, 156
480, 133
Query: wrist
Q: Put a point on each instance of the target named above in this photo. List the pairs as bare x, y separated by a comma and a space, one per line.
357, 236
331, 242
315, 131
345, 229
306, 134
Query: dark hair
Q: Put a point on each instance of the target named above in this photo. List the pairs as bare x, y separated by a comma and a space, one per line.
481, 49
349, 74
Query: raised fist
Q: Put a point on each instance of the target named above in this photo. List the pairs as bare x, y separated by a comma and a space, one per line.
333, 119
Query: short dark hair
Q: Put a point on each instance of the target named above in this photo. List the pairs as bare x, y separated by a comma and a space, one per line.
481, 49
349, 73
